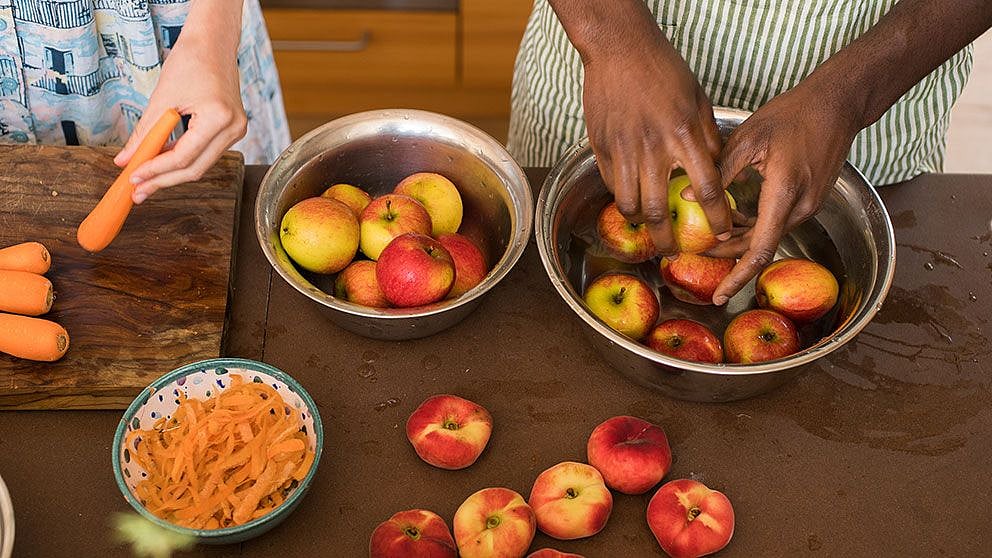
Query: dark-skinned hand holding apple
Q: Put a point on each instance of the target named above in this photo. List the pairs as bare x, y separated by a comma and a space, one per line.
646, 114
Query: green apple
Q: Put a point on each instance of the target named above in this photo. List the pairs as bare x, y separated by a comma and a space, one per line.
625, 302
320, 235
352, 196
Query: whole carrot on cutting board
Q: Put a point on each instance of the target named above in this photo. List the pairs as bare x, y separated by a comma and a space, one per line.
103, 223
26, 256
23, 292
32, 338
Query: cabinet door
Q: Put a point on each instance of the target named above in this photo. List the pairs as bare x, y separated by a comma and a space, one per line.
491, 32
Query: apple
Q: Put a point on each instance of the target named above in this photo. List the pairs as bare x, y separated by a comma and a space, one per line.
470, 264
759, 335
552, 553
448, 431
625, 302
414, 270
357, 283
694, 278
626, 241
690, 520
389, 216
689, 224
799, 289
439, 196
632, 454
412, 534
320, 235
494, 523
687, 340
352, 196
571, 501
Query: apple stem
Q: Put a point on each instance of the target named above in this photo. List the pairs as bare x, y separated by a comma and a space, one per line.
492, 522
389, 210
694, 513
570, 493
412, 532
618, 298
767, 336
450, 425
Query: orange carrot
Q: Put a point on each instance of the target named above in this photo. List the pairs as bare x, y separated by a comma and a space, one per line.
23, 292
103, 223
222, 461
32, 338
27, 256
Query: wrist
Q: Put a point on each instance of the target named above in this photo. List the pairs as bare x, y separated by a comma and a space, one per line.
213, 28
609, 29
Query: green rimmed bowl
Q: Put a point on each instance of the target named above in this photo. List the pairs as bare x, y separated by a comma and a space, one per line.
201, 380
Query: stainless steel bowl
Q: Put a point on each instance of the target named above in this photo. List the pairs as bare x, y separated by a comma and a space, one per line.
852, 235
375, 150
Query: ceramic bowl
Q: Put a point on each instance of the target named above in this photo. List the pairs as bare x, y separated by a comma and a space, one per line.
375, 150
201, 380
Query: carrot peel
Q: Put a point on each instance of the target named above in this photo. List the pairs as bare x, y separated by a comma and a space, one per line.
102, 225
27, 256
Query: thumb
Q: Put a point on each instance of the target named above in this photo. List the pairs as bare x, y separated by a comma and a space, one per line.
735, 156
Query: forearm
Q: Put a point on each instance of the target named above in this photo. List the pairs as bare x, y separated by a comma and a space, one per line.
909, 42
214, 25
607, 27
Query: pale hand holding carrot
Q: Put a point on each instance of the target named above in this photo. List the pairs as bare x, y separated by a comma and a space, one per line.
103, 223
32, 338
27, 256
23, 292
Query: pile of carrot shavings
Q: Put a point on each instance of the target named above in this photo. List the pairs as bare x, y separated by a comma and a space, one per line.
222, 461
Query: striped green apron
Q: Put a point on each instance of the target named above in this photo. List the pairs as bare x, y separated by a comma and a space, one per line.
743, 52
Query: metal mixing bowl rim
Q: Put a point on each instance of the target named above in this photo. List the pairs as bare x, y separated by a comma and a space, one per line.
521, 215
847, 330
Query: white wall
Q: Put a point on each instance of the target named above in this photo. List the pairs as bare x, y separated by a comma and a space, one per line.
969, 141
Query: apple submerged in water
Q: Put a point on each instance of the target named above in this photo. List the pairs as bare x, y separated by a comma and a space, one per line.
689, 224
687, 340
799, 289
759, 335
694, 278
626, 241
625, 302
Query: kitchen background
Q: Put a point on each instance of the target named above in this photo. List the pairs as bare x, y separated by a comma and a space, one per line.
456, 57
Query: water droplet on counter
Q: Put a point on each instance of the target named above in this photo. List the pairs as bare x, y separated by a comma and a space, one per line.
928, 265
986, 254
394, 139
369, 356
391, 402
431, 362
972, 297
366, 370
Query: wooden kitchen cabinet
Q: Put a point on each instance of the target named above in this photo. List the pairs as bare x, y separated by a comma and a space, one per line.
456, 61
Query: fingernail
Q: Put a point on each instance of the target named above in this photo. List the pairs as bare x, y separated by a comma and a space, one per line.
723, 236
135, 179
140, 197
719, 300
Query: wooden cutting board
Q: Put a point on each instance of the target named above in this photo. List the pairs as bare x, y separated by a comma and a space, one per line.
153, 300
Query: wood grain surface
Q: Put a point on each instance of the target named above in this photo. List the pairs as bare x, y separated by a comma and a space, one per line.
155, 299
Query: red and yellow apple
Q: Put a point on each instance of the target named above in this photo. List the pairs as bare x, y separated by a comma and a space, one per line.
414, 270
470, 264
439, 195
625, 241
448, 431
687, 340
552, 553
357, 283
759, 335
689, 224
320, 235
412, 534
799, 289
571, 501
352, 196
690, 520
632, 454
693, 278
494, 523
389, 216
624, 302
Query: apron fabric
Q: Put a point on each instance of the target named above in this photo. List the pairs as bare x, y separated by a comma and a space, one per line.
80, 72
743, 52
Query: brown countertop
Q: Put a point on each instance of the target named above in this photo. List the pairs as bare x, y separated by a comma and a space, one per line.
883, 449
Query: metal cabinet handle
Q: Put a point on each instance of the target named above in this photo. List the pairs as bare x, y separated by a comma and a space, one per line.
357, 45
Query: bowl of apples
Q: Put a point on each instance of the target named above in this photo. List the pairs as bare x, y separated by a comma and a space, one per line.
652, 319
396, 222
